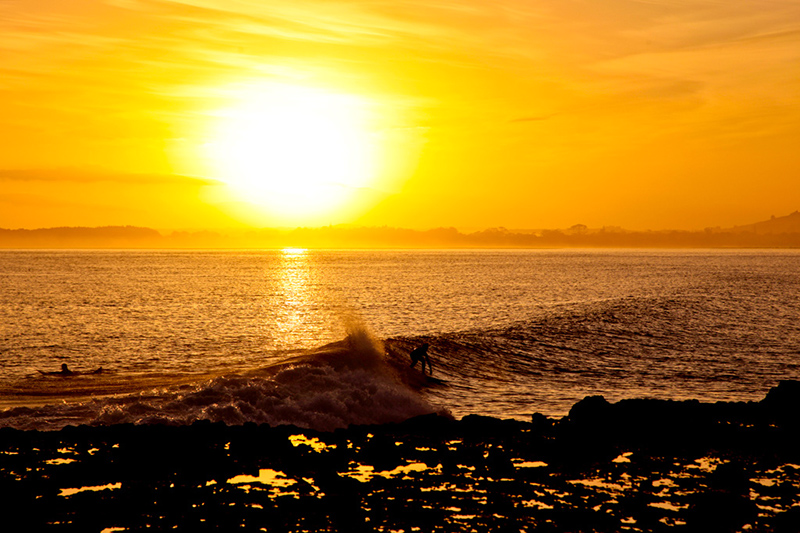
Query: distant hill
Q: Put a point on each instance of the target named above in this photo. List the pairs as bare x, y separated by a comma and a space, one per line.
773, 226
78, 237
778, 232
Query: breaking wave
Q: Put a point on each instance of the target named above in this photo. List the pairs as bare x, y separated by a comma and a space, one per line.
349, 382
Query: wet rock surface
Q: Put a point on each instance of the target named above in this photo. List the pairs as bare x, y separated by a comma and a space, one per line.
635, 465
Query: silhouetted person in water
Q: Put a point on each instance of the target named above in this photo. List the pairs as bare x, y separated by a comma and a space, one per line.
65, 371
420, 353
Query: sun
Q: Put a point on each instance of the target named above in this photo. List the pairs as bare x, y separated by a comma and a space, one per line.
298, 153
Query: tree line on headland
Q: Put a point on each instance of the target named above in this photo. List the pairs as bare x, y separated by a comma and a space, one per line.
778, 232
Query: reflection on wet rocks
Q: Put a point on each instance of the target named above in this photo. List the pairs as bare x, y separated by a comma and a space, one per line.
635, 465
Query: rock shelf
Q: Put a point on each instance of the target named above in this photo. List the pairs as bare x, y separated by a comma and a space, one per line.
634, 465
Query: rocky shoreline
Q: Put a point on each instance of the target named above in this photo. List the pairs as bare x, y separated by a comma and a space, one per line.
634, 465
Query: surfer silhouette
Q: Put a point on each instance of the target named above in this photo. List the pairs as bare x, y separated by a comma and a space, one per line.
65, 371
420, 353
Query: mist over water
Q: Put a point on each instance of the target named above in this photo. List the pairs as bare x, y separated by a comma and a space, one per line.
202, 335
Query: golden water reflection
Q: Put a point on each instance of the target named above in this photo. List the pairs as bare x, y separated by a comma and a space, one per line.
293, 251
294, 291
300, 314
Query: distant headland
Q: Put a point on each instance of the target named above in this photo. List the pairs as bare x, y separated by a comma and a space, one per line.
778, 232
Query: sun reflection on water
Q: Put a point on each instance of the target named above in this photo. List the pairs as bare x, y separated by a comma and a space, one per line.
301, 313
294, 292
293, 251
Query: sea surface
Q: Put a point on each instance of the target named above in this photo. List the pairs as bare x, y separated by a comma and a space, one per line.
320, 339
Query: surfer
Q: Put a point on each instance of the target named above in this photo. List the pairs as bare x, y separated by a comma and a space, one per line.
66, 372
420, 353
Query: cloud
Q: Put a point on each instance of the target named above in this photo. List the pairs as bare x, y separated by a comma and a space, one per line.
74, 175
532, 119
41, 201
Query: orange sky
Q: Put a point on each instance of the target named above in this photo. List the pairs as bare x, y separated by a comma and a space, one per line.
519, 113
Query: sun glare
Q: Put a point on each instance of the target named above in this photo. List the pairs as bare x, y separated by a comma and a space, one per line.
299, 153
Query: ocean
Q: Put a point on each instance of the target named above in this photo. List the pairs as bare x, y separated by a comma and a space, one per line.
320, 339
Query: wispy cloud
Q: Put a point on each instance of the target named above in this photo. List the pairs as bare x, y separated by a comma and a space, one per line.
532, 119
77, 175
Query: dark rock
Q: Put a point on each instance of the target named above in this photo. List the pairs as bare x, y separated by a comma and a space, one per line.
591, 411
429, 473
540, 422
